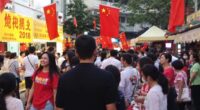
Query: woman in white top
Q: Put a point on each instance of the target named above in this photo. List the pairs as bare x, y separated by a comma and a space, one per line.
7, 88
156, 98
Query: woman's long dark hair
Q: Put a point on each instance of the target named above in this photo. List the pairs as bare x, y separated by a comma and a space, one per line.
53, 69
151, 71
7, 86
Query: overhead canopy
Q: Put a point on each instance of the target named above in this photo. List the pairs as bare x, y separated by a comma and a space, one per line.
152, 34
188, 37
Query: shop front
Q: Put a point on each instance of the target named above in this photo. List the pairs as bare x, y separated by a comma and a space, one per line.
189, 38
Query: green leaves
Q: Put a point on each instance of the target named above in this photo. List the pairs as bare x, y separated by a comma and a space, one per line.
84, 19
154, 12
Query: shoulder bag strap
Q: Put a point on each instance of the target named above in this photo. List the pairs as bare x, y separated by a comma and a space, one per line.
30, 63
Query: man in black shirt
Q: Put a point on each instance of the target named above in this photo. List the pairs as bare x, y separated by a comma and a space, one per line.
86, 87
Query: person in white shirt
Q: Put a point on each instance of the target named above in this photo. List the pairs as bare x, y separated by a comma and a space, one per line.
129, 78
62, 59
6, 62
112, 61
100, 59
156, 98
30, 64
7, 88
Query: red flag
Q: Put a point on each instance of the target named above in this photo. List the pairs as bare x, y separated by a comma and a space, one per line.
2, 4
109, 21
75, 22
94, 24
177, 14
123, 41
51, 20
106, 42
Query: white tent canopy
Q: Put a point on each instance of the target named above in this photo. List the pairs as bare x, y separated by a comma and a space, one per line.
152, 34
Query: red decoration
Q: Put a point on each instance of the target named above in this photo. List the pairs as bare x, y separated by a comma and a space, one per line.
2, 4
94, 24
177, 14
109, 21
106, 42
75, 22
122, 37
51, 20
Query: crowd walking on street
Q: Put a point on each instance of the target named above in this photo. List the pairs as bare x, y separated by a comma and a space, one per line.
91, 78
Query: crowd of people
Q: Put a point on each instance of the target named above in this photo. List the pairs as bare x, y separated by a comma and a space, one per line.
89, 79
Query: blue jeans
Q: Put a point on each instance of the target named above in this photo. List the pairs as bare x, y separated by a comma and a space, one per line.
48, 106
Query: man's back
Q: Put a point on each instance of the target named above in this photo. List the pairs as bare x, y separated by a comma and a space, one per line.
86, 87
111, 61
29, 63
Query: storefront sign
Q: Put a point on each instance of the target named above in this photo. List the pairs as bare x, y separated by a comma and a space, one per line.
193, 17
40, 30
15, 27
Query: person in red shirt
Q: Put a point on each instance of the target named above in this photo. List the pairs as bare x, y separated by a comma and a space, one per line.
45, 81
169, 73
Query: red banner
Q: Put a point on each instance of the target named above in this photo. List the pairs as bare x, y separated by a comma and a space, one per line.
106, 42
122, 37
109, 21
51, 20
177, 15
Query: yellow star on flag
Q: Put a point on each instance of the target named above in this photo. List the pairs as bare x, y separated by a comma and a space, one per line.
103, 10
48, 11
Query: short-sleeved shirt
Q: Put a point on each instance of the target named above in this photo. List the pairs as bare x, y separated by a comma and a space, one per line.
44, 89
180, 76
196, 69
129, 78
155, 99
86, 87
170, 75
13, 67
111, 61
29, 62
13, 103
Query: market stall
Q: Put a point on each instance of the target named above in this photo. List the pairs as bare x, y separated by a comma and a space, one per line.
152, 34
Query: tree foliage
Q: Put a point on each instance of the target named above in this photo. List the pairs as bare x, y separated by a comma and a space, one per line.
153, 12
84, 18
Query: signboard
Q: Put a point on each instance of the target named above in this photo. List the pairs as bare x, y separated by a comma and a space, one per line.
15, 27
193, 17
40, 31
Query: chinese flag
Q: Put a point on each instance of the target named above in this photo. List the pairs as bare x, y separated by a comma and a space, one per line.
106, 42
94, 24
2, 4
177, 14
122, 38
75, 22
109, 21
51, 20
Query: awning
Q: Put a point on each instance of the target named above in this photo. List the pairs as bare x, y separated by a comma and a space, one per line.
151, 35
187, 37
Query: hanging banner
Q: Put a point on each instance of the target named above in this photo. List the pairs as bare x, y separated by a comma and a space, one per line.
40, 30
60, 32
15, 27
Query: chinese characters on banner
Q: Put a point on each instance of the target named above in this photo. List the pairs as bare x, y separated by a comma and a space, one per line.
40, 31
15, 27
23, 29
